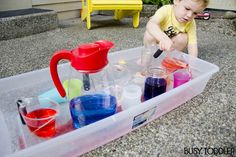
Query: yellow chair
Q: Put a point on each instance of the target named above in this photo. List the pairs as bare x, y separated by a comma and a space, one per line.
122, 8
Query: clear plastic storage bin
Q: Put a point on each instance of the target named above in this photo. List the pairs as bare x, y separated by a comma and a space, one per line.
85, 139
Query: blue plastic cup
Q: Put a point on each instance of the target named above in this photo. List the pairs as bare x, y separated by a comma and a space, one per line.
53, 95
72, 88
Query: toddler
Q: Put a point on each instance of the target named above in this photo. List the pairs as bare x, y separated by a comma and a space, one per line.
174, 27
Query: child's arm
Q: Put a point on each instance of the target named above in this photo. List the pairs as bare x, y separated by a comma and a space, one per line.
193, 50
192, 39
153, 28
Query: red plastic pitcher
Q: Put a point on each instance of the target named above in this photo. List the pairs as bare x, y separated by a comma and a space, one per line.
86, 59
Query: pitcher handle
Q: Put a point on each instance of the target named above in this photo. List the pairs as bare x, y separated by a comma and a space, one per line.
57, 56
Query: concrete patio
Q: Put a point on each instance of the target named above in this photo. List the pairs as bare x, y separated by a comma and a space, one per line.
208, 120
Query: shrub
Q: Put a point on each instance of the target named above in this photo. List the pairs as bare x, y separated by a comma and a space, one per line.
157, 2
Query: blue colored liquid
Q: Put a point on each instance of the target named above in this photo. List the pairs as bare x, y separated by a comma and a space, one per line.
88, 109
154, 87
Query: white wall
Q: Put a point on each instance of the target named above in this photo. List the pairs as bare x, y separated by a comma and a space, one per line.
66, 9
15, 4
223, 4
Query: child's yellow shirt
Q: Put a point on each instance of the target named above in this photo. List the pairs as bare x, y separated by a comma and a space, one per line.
172, 27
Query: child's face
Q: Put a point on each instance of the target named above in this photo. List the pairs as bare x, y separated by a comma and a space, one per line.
186, 10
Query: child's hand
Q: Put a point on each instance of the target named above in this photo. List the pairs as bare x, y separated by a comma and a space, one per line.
166, 44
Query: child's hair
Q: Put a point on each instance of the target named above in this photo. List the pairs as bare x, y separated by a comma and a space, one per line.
205, 2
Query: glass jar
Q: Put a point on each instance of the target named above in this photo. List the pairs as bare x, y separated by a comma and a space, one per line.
155, 82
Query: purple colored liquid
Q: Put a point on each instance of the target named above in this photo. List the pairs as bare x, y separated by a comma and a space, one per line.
154, 87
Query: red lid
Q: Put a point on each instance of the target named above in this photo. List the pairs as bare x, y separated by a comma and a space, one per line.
91, 57
86, 49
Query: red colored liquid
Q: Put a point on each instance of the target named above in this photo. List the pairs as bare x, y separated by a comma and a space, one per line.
173, 64
42, 122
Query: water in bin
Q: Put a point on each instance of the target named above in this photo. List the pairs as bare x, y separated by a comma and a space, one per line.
5, 144
120, 75
91, 100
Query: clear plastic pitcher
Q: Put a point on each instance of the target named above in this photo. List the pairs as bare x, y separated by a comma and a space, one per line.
84, 90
